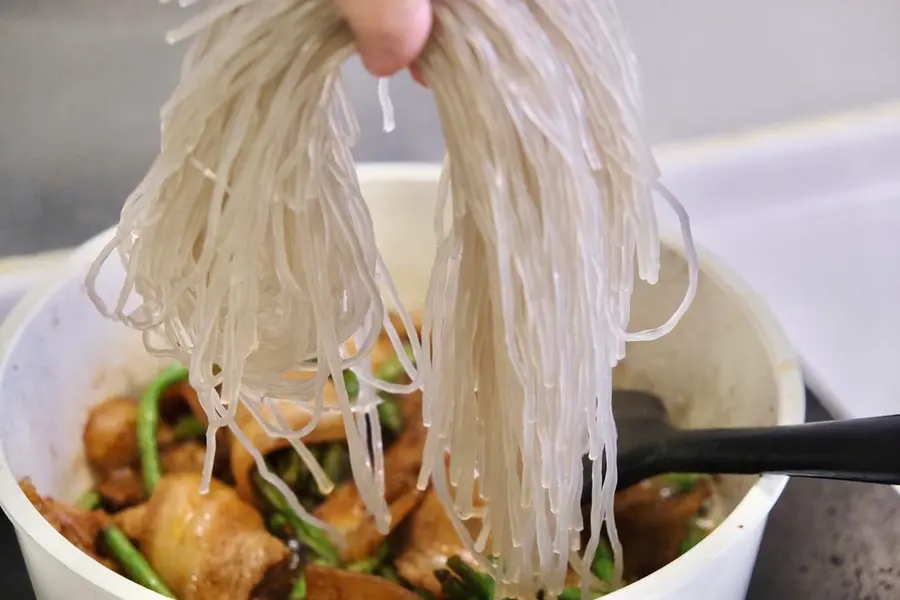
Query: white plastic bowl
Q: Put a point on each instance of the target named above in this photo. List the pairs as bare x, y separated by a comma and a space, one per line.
727, 363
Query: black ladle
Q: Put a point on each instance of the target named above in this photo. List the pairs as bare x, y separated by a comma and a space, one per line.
866, 450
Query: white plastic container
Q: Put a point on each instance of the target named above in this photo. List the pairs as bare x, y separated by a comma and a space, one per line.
726, 364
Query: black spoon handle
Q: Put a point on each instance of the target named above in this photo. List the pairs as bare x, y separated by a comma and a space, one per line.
856, 449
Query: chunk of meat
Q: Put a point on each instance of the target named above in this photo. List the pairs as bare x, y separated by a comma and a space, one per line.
329, 429
411, 410
186, 457
81, 528
431, 541
272, 586
207, 546
333, 584
345, 510
131, 521
358, 526
652, 522
180, 399
110, 435
121, 489
382, 352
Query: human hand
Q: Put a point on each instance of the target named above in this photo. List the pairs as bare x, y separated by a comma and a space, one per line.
390, 34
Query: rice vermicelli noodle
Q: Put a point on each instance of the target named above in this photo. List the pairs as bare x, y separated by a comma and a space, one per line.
248, 246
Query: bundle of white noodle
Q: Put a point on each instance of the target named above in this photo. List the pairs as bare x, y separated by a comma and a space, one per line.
248, 246
550, 181
251, 248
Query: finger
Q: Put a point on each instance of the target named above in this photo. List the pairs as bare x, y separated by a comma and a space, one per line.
390, 34
416, 72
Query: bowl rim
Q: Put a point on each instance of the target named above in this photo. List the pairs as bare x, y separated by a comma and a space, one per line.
749, 513
753, 509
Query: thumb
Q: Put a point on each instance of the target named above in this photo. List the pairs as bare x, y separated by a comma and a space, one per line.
390, 34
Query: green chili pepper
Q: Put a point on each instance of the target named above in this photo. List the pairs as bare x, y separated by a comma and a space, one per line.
133, 562
389, 413
148, 424
90, 500
306, 534
570, 593
188, 427
393, 369
299, 590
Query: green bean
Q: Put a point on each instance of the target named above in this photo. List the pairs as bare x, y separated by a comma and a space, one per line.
365, 565
373, 563
188, 427
314, 539
393, 369
479, 583
270, 493
388, 572
389, 413
299, 590
277, 524
333, 462
90, 500
291, 469
459, 581
603, 565
352, 383
384, 550
306, 534
133, 562
453, 587
148, 424
319, 451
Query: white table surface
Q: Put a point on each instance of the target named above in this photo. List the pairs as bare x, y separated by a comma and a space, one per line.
809, 216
